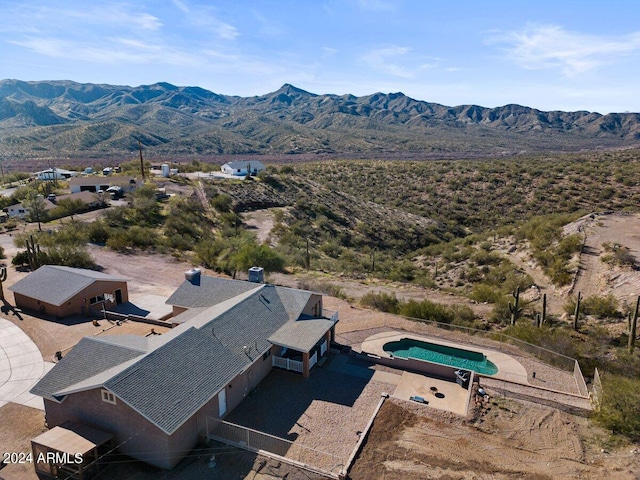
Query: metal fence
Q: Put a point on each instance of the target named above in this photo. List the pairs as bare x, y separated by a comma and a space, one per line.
263, 443
494, 340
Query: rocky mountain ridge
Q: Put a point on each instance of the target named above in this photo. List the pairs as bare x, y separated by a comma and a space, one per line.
65, 118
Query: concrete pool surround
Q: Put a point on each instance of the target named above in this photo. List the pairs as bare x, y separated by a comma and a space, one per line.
509, 368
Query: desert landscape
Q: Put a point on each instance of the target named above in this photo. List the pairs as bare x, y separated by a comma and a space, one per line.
502, 438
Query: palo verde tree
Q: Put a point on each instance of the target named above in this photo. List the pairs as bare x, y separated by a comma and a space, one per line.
35, 204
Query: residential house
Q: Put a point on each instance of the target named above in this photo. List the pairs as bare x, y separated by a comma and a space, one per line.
96, 183
154, 394
89, 199
242, 167
20, 211
64, 291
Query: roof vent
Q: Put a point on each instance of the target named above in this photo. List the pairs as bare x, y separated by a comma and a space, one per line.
193, 275
256, 274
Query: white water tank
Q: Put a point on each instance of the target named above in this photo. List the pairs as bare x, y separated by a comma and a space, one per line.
166, 171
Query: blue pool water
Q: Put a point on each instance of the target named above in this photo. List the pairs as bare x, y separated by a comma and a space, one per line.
431, 352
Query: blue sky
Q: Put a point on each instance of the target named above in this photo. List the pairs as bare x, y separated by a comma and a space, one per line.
561, 55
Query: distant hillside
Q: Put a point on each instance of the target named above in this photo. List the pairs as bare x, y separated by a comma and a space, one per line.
68, 119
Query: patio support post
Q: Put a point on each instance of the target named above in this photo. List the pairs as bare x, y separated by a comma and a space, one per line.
305, 365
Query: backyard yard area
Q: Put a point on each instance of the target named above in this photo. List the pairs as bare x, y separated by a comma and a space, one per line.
325, 413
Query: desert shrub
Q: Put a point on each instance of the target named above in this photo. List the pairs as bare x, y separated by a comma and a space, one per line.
326, 288
70, 256
600, 306
97, 232
134, 237
222, 203
384, 302
484, 257
483, 292
427, 310
20, 259
464, 316
620, 405
616, 254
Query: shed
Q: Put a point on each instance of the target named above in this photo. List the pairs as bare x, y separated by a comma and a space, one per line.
70, 450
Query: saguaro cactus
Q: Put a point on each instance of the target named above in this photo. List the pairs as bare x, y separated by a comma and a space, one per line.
33, 253
515, 308
543, 317
3, 277
632, 327
576, 313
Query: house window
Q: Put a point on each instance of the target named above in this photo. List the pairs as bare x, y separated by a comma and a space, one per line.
98, 299
108, 397
266, 354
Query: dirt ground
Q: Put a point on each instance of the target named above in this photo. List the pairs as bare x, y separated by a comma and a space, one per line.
505, 440
511, 439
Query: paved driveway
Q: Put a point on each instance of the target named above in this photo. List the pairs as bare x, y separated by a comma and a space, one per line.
21, 366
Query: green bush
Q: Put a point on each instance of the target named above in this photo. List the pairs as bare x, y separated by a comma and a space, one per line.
620, 405
222, 203
427, 310
600, 306
384, 302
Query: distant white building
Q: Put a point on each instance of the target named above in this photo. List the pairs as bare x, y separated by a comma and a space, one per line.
55, 174
241, 167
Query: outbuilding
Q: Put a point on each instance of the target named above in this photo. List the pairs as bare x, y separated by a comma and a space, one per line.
242, 167
63, 291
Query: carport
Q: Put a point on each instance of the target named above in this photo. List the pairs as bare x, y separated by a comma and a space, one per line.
68, 451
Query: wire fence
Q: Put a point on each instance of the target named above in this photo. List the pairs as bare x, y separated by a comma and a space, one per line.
264, 443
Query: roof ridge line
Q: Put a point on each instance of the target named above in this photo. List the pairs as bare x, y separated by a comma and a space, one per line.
105, 341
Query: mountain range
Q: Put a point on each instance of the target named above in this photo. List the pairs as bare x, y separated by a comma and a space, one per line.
54, 119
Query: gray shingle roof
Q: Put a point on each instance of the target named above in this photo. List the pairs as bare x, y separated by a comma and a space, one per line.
301, 335
173, 382
207, 291
55, 285
184, 368
88, 358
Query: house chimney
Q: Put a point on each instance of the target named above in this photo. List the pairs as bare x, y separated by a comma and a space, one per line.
256, 274
193, 276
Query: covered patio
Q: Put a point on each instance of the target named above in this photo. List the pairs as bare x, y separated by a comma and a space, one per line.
302, 344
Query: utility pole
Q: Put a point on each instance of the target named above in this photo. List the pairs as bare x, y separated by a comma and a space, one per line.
141, 161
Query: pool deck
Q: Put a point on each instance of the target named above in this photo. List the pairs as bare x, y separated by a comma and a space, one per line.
448, 396
509, 369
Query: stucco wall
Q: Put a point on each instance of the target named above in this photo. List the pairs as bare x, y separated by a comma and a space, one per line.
313, 306
244, 383
75, 304
135, 435
146, 441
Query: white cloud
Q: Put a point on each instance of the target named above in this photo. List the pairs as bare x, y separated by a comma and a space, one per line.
538, 47
328, 51
387, 60
376, 5
180, 5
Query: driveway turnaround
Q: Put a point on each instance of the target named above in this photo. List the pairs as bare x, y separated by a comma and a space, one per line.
21, 366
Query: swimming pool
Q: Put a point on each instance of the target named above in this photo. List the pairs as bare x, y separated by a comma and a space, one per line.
432, 352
